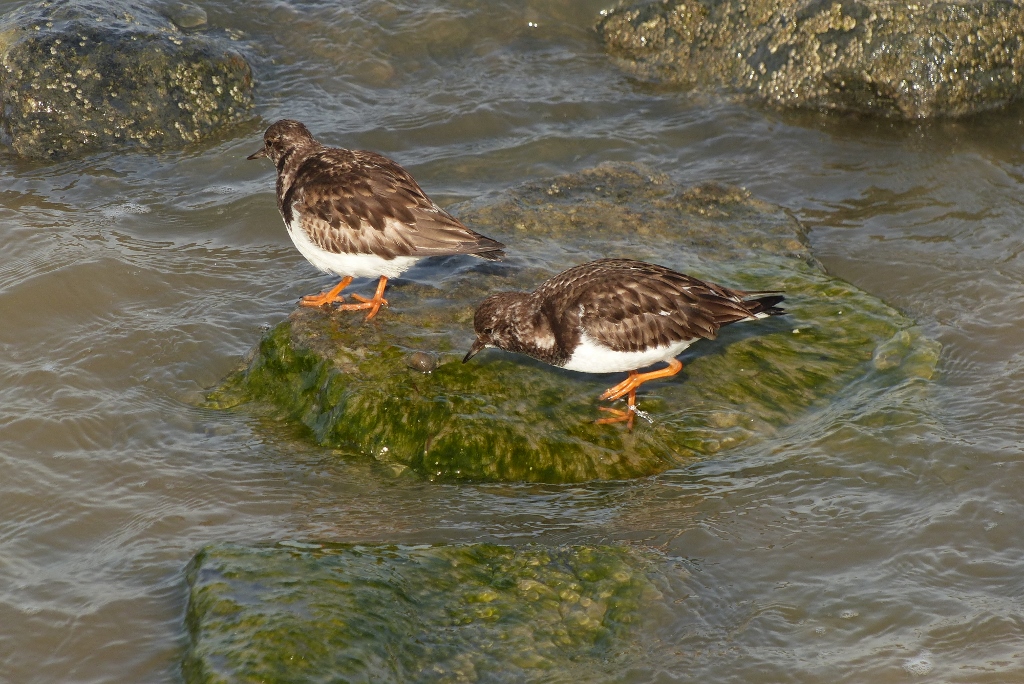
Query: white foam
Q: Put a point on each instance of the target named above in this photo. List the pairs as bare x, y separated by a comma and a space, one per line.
918, 666
126, 209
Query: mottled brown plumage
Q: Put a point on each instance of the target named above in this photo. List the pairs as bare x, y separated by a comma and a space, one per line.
614, 315
358, 213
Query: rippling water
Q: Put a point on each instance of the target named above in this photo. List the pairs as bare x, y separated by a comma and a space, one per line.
877, 540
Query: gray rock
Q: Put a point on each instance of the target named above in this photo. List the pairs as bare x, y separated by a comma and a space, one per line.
895, 59
78, 77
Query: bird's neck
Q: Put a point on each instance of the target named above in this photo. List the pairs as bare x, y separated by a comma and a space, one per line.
289, 163
534, 334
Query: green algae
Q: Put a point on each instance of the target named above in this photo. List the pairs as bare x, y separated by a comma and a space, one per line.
504, 417
901, 60
361, 613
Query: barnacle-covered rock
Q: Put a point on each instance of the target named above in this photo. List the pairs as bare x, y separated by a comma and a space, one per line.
895, 59
78, 77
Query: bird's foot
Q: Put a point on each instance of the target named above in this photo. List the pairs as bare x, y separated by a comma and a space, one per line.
620, 416
623, 416
373, 305
321, 299
333, 295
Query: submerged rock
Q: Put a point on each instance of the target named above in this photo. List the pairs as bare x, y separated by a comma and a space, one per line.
304, 612
907, 60
507, 417
77, 77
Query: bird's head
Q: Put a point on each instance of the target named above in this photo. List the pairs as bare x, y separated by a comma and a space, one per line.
282, 137
494, 323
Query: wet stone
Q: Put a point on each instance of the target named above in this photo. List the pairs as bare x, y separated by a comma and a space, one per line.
301, 612
185, 15
81, 77
503, 417
421, 361
894, 59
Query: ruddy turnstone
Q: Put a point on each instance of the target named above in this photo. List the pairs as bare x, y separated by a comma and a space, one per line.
355, 213
614, 315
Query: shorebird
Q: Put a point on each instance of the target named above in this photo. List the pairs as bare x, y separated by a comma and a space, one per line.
615, 315
354, 213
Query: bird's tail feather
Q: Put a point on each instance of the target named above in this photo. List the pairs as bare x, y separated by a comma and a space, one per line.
765, 306
491, 255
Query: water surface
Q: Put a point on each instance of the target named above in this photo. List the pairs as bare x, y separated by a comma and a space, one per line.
876, 540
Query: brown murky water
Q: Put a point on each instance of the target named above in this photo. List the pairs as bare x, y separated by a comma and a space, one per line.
877, 540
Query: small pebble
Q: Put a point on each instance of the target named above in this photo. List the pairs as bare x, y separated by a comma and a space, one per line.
421, 361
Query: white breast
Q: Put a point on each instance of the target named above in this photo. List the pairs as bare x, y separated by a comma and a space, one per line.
356, 265
592, 357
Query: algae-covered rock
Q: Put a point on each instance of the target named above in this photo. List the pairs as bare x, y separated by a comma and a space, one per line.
896, 59
361, 387
307, 613
81, 76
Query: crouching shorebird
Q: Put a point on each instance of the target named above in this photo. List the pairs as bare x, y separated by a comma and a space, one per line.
615, 315
355, 213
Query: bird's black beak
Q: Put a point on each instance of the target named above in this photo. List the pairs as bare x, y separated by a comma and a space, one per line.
477, 347
257, 155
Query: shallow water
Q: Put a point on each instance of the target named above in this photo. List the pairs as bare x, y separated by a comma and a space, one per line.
876, 540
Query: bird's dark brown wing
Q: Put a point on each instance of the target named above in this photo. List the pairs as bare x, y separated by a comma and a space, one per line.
631, 305
362, 202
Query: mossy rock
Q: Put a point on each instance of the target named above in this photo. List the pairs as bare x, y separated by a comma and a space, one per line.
932, 58
313, 613
361, 387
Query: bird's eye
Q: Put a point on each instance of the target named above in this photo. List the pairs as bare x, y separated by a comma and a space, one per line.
488, 331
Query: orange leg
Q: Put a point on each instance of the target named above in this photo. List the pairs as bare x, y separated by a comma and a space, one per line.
327, 297
629, 387
372, 304
635, 379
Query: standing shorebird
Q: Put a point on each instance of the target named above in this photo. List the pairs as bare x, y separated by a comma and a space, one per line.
355, 213
614, 315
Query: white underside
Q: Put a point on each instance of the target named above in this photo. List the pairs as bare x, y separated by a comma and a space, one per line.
591, 357
355, 265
